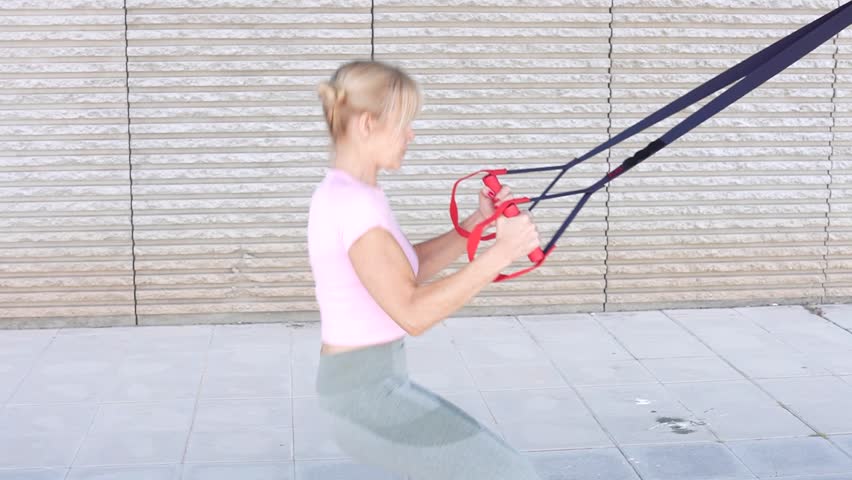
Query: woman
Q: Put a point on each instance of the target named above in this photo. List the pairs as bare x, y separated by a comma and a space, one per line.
371, 289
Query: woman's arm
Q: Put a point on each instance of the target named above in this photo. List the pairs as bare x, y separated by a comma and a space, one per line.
436, 254
384, 270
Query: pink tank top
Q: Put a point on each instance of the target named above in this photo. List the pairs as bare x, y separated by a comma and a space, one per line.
342, 209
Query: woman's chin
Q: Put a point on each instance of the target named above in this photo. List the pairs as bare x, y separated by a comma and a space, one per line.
394, 165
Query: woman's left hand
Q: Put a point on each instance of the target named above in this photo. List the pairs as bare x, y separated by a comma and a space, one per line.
486, 201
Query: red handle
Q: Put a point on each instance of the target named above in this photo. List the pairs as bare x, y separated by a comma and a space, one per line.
492, 182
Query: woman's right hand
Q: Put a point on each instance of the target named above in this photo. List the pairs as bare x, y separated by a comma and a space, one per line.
516, 237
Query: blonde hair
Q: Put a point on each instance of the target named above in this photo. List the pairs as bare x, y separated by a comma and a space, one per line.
367, 86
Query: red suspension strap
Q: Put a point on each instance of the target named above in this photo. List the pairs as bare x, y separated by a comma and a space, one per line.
508, 208
454, 211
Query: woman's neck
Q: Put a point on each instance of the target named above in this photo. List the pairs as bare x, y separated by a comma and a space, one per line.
352, 162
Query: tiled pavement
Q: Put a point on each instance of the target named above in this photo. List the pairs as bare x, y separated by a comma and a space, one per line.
719, 394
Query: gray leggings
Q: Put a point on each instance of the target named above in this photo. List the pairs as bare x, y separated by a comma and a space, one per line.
380, 417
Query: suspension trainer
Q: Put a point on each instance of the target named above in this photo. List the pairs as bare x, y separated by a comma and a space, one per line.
748, 75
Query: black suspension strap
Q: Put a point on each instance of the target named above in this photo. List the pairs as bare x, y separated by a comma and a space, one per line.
748, 75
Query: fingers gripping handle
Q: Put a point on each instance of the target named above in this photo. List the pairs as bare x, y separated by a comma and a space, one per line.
493, 183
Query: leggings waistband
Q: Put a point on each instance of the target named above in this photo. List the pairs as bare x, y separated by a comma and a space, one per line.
355, 369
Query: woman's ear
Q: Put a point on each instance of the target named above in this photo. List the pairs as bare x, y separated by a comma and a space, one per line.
365, 125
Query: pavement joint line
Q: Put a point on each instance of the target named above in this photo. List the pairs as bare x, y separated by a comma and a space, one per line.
8, 401
585, 403
198, 396
815, 431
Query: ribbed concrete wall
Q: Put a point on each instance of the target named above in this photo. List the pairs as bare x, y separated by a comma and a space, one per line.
735, 212
838, 281
508, 87
227, 145
209, 108
65, 236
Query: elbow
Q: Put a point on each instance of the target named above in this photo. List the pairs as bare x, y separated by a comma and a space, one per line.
415, 330
411, 324
412, 328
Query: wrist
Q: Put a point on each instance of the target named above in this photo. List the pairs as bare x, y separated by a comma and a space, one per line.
495, 258
472, 221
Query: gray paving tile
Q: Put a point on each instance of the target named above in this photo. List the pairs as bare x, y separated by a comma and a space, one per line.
839, 314
45, 389
822, 402
169, 338
601, 464
589, 347
313, 437
557, 434
640, 414
707, 317
341, 470
466, 330
304, 331
259, 361
800, 328
841, 476
255, 444
738, 410
438, 366
652, 335
691, 369
16, 363
517, 377
9, 382
773, 316
68, 377
304, 353
823, 339
252, 336
36, 419
698, 461
156, 376
769, 364
438, 335
26, 341
116, 447
159, 416
602, 372
227, 414
728, 331
579, 336
46, 449
255, 368
33, 474
534, 405
844, 442
176, 384
545, 419
316, 443
245, 385
304, 381
308, 414
474, 405
231, 471
126, 472
516, 352
792, 456
837, 362
89, 347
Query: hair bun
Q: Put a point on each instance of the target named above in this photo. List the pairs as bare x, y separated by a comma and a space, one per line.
330, 94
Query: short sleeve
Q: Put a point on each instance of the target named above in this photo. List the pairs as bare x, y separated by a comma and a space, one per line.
360, 214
